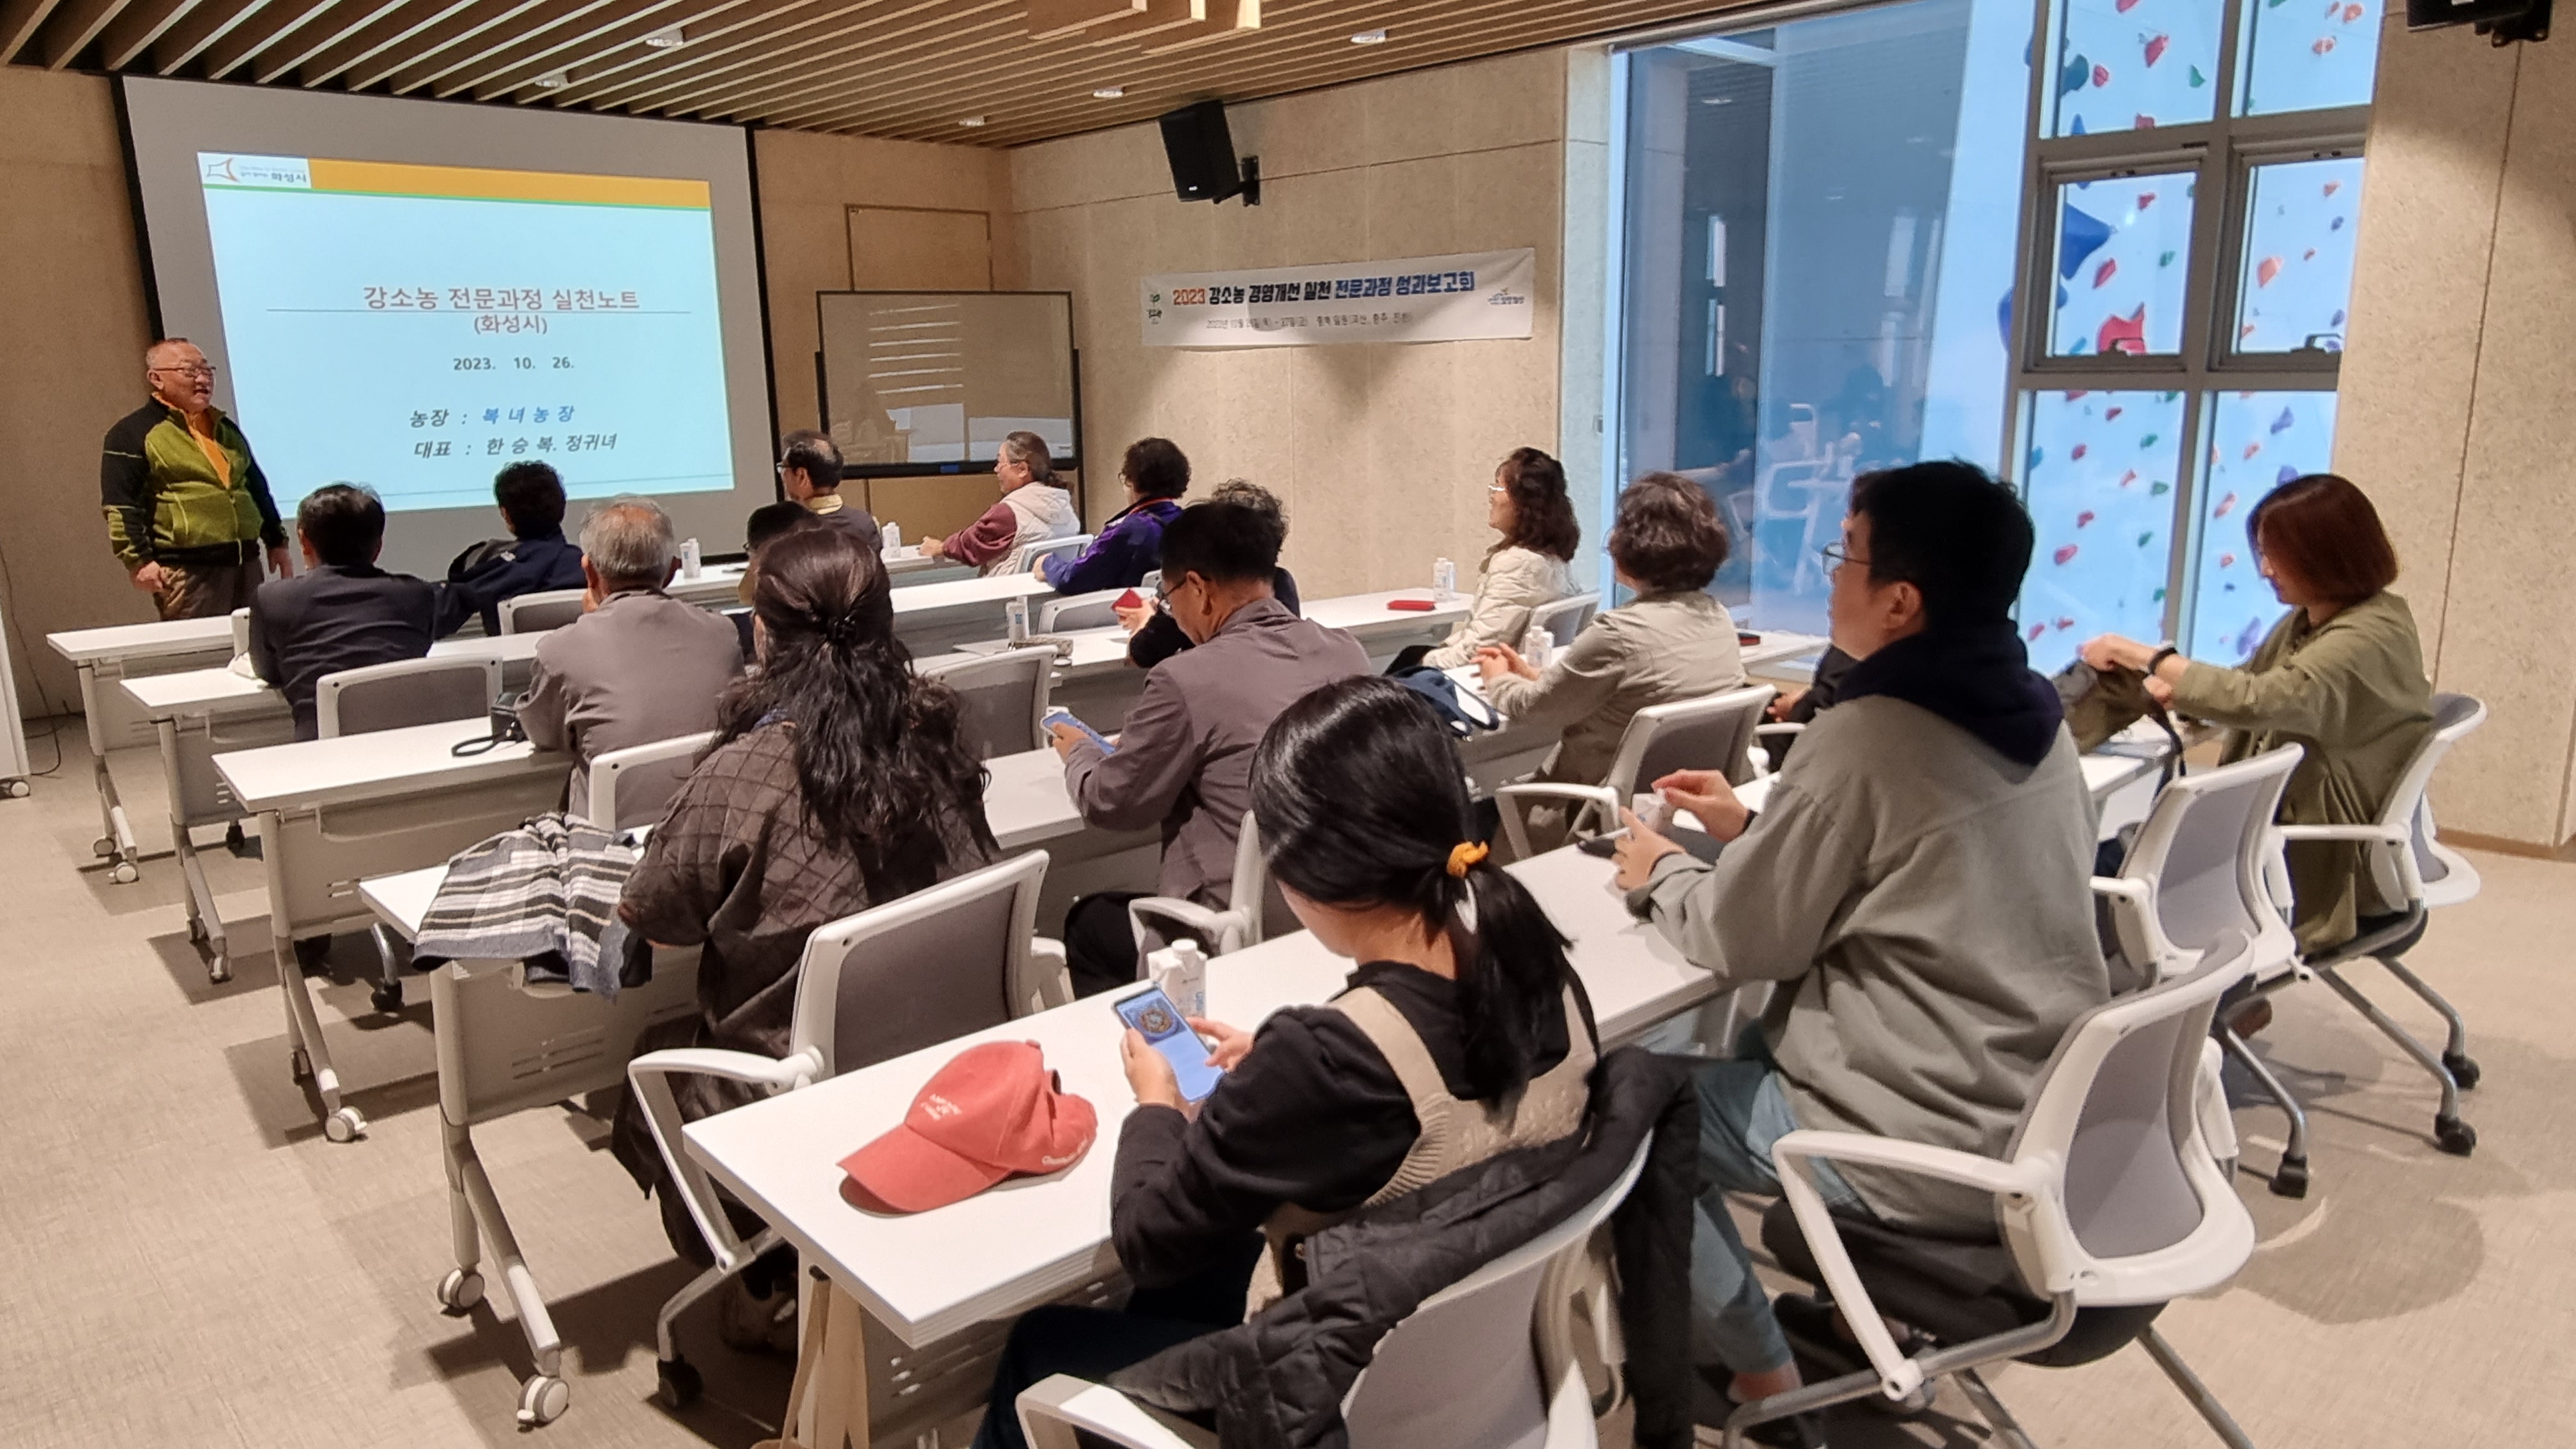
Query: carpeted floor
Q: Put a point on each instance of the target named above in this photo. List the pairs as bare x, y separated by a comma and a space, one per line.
188, 1262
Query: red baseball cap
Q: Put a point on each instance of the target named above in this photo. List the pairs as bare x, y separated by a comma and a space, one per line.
992, 1111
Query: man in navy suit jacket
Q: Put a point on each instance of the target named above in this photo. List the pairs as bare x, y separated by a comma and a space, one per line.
342, 612
535, 557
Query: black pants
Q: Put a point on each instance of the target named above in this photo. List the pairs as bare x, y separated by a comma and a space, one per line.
1093, 1343
1099, 944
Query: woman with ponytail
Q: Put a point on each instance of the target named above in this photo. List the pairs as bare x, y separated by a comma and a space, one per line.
1462, 1034
836, 782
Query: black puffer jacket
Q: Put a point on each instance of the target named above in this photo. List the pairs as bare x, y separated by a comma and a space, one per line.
1277, 1382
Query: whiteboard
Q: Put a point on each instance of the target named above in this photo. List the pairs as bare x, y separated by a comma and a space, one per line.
924, 383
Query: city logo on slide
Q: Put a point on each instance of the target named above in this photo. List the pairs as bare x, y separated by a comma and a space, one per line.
219, 168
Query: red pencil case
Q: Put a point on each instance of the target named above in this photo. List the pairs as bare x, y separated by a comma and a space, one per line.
1411, 606
1127, 600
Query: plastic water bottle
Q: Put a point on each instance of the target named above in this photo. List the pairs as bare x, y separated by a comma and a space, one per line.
893, 536
690, 559
1181, 970
1444, 579
1537, 646
1015, 616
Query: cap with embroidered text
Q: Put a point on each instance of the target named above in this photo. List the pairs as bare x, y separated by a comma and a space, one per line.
994, 1110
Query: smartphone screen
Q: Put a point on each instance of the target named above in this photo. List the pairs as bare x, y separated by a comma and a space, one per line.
1057, 716
1159, 1022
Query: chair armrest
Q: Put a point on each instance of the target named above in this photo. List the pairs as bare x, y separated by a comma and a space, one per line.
1507, 799
1050, 983
1778, 730
1052, 1409
2367, 834
650, 1076
2023, 1189
2133, 913
1223, 931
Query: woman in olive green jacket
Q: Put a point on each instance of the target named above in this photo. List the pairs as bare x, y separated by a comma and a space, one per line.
2342, 676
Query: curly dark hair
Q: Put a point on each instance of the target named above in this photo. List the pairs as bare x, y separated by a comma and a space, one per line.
1668, 537
1542, 514
880, 764
1157, 467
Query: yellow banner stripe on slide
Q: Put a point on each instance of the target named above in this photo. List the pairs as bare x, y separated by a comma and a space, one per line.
397, 178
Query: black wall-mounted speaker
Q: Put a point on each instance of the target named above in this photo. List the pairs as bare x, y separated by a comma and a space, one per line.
1201, 150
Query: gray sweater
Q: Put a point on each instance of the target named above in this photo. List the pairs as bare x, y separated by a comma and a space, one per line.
1923, 902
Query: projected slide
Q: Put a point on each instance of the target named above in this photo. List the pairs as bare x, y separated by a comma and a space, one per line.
415, 328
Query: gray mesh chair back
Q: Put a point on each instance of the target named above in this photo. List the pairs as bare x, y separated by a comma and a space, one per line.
1714, 732
634, 786
2431, 867
1082, 611
1001, 698
2203, 847
1025, 559
1462, 1371
1565, 618
536, 613
405, 693
915, 972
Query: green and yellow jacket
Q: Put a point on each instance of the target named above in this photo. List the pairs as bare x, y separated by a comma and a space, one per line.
165, 501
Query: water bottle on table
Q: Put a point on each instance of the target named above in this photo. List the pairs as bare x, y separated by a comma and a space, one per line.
1444, 579
691, 561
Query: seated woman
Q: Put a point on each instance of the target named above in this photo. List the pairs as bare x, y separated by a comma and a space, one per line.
2342, 675
1034, 508
1526, 567
1462, 981
836, 782
1671, 642
1154, 635
1130, 546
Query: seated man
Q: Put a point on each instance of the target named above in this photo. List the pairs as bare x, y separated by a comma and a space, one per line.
638, 665
1916, 887
532, 560
1153, 637
809, 470
342, 612
1184, 761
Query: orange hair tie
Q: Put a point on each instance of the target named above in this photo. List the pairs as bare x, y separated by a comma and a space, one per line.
1464, 854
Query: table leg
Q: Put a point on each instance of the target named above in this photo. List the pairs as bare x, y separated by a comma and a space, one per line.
116, 837
311, 1056
204, 923
543, 1395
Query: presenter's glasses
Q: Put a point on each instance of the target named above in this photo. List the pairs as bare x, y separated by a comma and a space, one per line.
193, 369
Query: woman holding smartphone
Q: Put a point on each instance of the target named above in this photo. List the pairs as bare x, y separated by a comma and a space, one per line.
1463, 1034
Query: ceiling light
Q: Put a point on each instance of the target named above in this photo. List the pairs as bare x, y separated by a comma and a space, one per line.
1369, 37
553, 80
972, 121
667, 38
1108, 93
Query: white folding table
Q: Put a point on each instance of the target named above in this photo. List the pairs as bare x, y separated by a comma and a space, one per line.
503, 1048
334, 812
102, 656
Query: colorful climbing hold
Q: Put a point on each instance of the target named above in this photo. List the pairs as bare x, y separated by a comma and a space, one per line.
2158, 490
2225, 505
2103, 273
2065, 553
2148, 441
2156, 45
2077, 455
2112, 412
2265, 270
2284, 422
2197, 79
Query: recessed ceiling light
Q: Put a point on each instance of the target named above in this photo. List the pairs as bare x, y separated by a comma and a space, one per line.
1108, 93
972, 121
1369, 37
553, 80
666, 38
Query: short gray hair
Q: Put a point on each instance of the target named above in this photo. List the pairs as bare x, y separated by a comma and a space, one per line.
629, 540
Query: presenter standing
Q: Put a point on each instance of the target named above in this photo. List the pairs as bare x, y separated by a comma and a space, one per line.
188, 511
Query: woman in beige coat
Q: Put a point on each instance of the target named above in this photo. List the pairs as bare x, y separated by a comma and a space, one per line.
1527, 505
2342, 675
1671, 642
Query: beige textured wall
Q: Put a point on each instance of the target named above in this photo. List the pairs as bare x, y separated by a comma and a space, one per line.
71, 294
1381, 452
2455, 395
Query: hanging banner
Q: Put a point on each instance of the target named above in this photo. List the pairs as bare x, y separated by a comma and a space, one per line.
1471, 297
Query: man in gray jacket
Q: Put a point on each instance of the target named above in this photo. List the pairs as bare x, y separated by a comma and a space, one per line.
1916, 885
1184, 760
638, 666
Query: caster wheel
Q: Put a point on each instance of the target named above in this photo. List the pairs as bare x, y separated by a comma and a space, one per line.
104, 847
460, 1290
2291, 1178
219, 970
344, 1125
542, 1400
124, 873
298, 1065
2454, 1136
15, 789
387, 996
2462, 1067
680, 1383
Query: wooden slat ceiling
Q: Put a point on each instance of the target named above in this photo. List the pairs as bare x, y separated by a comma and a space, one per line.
910, 69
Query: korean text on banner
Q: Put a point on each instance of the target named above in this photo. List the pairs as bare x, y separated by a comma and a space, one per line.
1472, 297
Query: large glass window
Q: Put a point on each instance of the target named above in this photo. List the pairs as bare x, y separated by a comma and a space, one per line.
1844, 245
1819, 231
